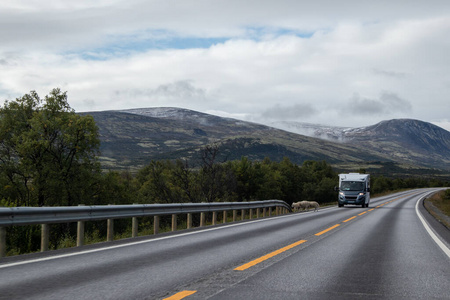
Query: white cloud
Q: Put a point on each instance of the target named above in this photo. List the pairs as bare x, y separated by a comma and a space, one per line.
264, 58
286, 113
387, 104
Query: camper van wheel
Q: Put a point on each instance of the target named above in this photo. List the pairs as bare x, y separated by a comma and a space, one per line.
363, 205
340, 205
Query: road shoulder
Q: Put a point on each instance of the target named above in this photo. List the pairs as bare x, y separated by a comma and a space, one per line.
437, 213
439, 228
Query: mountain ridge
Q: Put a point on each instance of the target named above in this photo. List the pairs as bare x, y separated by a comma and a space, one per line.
132, 138
414, 138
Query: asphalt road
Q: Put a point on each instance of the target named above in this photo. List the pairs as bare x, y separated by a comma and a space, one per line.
380, 252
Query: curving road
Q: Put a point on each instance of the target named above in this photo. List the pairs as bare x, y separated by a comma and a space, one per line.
380, 252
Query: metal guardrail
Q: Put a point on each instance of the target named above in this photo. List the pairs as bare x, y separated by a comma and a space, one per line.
66, 214
19, 216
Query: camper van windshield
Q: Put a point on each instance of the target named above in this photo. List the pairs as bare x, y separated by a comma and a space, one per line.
352, 186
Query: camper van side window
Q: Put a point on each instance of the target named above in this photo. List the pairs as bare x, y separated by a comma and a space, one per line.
352, 186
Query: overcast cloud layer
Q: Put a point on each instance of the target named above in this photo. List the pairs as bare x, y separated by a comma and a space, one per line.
344, 63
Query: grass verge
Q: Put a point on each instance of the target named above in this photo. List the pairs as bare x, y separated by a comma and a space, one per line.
439, 207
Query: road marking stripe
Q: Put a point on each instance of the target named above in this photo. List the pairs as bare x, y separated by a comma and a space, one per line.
326, 230
430, 231
349, 219
267, 256
180, 295
364, 212
371, 209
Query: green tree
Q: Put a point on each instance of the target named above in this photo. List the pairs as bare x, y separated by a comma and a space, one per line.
294, 177
273, 182
48, 153
185, 179
115, 188
246, 179
210, 174
156, 183
318, 181
381, 184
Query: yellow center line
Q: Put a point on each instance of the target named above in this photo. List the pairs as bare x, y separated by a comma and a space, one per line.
272, 254
267, 256
180, 295
326, 230
349, 219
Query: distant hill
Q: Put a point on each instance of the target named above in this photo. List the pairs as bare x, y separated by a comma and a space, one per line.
405, 140
130, 139
422, 142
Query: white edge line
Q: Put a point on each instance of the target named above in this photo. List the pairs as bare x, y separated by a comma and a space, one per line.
430, 231
137, 243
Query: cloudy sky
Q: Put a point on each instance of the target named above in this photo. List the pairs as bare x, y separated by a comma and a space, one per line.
344, 63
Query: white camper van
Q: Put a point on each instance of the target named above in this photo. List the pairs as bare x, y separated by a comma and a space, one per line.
354, 188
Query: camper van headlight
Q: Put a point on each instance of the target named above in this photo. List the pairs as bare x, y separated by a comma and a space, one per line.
361, 194
341, 193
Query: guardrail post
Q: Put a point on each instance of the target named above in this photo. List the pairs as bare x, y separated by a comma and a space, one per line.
270, 211
250, 214
2, 241
225, 215
155, 224
214, 218
202, 219
189, 220
258, 210
234, 215
242, 214
45, 234
264, 212
134, 227
80, 231
174, 222
110, 230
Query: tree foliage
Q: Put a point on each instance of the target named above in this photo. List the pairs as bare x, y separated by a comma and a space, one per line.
241, 180
48, 154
